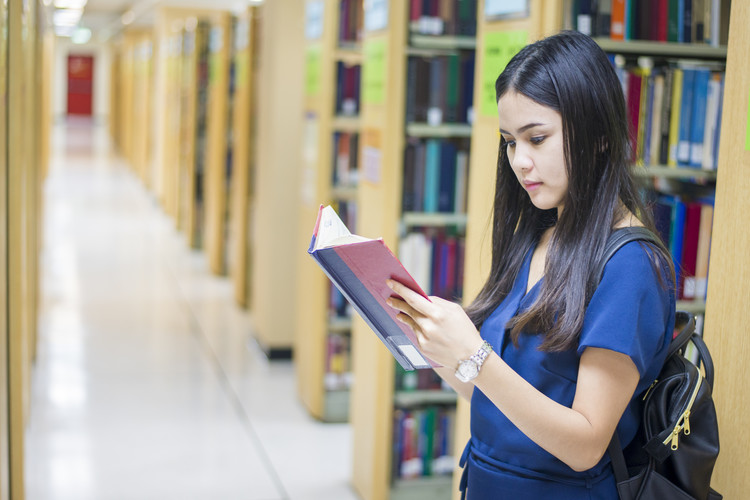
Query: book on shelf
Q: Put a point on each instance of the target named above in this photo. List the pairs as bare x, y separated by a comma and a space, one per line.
423, 442
351, 19
685, 226
443, 17
674, 112
678, 21
435, 175
360, 267
439, 89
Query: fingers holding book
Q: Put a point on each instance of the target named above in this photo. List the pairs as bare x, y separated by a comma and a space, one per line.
444, 331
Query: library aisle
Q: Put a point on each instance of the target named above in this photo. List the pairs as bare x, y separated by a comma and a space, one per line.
146, 384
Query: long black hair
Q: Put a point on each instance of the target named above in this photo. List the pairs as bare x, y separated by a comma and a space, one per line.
569, 73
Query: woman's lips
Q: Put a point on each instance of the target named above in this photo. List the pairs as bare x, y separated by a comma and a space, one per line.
531, 185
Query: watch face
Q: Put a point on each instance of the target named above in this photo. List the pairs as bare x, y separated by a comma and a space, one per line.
468, 369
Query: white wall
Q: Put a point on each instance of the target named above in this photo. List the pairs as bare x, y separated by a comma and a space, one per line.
102, 73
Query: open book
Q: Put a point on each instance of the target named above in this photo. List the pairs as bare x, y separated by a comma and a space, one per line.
359, 267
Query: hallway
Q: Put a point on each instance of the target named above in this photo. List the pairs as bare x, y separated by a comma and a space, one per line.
147, 383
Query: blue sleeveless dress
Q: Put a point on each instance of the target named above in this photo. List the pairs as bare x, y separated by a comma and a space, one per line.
629, 313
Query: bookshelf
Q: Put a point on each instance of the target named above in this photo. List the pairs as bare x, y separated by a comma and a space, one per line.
243, 147
275, 215
673, 94
21, 178
192, 82
330, 158
399, 124
218, 154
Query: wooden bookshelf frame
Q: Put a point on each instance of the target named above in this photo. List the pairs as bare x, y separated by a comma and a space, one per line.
220, 43
727, 315
243, 112
314, 324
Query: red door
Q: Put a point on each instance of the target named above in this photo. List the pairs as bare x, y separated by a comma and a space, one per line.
80, 84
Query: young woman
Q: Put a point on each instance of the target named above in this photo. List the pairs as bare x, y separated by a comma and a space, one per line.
550, 358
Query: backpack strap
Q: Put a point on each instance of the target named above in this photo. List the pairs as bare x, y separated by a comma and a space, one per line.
620, 237
617, 239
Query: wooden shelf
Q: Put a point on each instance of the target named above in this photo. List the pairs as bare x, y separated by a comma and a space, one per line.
417, 41
423, 219
665, 49
443, 130
668, 172
429, 488
408, 399
692, 306
343, 123
348, 54
347, 193
339, 325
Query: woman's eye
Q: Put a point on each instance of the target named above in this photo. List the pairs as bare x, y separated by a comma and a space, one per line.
538, 140
510, 144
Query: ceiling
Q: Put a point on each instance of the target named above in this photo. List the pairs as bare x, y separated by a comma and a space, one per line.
106, 18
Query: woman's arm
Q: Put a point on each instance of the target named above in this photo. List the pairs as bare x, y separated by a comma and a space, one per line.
578, 435
464, 389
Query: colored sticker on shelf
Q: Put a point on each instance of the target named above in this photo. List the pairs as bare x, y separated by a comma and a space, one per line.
376, 15
374, 72
499, 47
312, 70
314, 19
372, 156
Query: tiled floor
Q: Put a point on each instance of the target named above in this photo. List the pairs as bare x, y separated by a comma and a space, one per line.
147, 383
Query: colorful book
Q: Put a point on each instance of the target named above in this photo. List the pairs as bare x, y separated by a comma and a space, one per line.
698, 111
617, 20
359, 267
686, 116
675, 116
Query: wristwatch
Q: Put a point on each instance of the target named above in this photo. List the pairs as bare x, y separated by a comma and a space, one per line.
468, 369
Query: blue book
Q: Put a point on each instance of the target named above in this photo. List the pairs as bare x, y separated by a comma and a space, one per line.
686, 115
677, 237
717, 130
700, 98
447, 185
431, 175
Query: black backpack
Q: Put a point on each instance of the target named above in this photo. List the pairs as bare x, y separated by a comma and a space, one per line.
674, 451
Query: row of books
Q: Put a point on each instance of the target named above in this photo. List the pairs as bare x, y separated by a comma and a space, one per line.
347, 89
440, 89
435, 175
681, 21
685, 225
435, 259
674, 114
338, 374
443, 17
423, 442
346, 159
351, 19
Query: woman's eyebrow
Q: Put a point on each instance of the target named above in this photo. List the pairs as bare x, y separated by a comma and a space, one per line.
524, 128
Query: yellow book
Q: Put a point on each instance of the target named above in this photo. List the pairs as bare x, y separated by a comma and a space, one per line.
674, 118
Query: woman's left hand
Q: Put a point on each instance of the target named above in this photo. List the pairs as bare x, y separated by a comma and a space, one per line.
445, 333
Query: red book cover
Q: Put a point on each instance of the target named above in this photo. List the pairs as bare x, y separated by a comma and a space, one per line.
662, 20
360, 267
690, 249
634, 109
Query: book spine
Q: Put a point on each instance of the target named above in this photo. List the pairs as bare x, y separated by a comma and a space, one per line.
686, 106
675, 116
698, 125
617, 23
